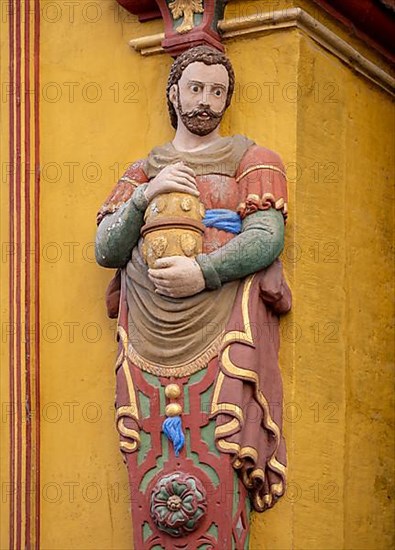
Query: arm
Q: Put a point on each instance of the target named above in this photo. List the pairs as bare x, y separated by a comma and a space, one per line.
256, 247
263, 189
118, 233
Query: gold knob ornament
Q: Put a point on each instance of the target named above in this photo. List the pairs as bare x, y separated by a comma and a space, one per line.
173, 409
172, 391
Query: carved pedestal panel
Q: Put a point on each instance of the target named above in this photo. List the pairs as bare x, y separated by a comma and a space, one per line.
181, 498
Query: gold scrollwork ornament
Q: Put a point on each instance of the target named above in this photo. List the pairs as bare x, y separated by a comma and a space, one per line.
186, 8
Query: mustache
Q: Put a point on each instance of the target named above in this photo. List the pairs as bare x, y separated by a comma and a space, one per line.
203, 110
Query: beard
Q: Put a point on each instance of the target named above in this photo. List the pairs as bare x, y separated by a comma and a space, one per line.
200, 121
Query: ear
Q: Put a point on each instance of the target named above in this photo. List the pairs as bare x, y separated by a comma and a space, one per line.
173, 95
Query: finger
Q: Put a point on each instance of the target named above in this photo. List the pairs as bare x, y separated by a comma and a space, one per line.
181, 178
163, 290
161, 277
182, 175
182, 188
187, 169
165, 262
157, 274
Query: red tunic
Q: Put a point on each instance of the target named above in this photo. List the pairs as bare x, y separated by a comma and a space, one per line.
217, 401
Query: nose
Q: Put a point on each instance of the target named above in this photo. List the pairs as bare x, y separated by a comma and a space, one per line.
205, 97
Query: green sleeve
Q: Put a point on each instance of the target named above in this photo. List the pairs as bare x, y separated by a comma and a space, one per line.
256, 247
118, 233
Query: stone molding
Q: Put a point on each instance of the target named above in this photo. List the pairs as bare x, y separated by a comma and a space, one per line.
292, 18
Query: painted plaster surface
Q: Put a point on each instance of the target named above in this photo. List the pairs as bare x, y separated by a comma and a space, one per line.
103, 106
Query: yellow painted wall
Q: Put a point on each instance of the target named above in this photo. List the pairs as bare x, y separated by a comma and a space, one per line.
344, 212
102, 107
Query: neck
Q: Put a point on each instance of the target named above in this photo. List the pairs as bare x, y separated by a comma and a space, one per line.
184, 140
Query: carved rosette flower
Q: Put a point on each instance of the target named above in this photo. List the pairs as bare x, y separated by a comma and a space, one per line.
178, 502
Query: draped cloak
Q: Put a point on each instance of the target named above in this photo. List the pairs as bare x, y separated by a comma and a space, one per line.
236, 325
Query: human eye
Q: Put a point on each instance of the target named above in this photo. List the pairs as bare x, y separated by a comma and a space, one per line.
195, 88
218, 92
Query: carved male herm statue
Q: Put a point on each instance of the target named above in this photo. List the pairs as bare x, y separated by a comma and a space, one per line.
196, 229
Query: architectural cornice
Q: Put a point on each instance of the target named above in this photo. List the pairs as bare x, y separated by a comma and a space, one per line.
294, 18
373, 21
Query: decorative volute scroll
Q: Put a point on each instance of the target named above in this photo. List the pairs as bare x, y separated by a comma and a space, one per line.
188, 23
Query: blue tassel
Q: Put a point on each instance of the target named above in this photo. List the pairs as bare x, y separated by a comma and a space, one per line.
172, 428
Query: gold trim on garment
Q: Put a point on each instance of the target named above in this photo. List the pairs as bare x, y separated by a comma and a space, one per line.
260, 167
227, 446
127, 447
280, 204
234, 425
176, 371
129, 180
250, 452
268, 197
227, 429
258, 473
124, 339
130, 385
132, 435
131, 410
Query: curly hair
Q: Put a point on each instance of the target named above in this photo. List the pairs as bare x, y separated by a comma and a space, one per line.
200, 54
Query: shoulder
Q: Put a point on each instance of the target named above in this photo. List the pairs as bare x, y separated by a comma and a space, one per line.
134, 176
135, 173
257, 156
262, 181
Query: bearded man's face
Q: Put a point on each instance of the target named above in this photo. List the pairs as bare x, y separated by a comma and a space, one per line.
201, 97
